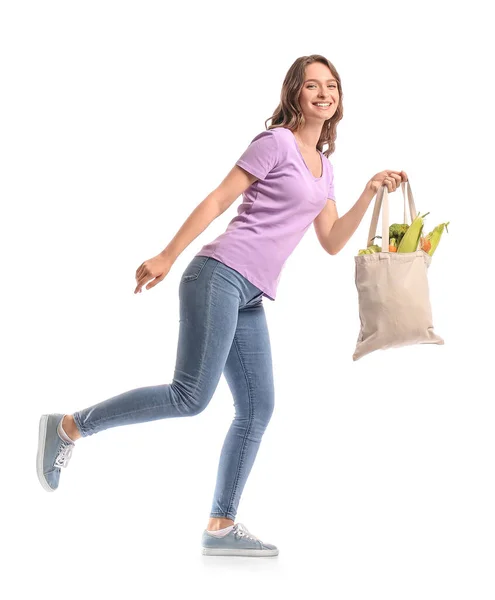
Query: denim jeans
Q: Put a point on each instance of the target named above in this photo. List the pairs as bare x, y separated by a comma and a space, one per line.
222, 328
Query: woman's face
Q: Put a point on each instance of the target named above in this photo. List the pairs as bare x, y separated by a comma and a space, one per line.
319, 86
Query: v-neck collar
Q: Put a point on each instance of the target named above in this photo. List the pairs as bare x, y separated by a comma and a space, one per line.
302, 157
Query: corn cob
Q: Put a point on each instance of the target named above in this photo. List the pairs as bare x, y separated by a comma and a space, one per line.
435, 235
409, 242
370, 250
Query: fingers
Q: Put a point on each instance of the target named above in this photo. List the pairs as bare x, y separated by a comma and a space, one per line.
394, 179
391, 183
401, 175
143, 274
147, 277
144, 278
140, 282
150, 285
155, 282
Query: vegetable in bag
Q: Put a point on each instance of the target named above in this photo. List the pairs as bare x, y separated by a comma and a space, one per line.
405, 238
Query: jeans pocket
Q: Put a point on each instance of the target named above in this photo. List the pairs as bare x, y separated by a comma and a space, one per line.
194, 268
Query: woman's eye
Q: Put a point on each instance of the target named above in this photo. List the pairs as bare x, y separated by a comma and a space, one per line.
309, 86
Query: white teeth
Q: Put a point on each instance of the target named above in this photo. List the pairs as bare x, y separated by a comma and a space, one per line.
322, 105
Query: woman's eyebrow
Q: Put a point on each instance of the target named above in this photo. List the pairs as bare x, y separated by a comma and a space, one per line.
317, 80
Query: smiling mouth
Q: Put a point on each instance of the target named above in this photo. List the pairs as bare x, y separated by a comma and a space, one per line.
322, 107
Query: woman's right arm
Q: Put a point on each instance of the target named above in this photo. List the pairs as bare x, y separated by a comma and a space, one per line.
156, 269
216, 203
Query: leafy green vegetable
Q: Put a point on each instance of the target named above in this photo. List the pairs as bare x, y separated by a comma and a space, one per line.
397, 231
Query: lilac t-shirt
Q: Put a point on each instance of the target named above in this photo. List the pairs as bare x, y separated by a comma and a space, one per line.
276, 211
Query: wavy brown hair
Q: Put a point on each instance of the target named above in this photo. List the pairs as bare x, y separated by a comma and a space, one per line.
289, 114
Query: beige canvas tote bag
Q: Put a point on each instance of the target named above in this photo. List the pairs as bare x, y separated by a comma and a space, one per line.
393, 293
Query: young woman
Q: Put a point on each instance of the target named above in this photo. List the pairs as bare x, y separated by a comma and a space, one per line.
287, 184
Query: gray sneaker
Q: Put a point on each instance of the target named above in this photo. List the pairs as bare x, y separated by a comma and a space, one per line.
54, 451
238, 542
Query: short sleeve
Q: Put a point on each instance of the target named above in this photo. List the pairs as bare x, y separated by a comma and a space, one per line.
331, 190
261, 156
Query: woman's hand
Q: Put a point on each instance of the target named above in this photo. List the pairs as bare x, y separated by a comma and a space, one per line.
155, 268
391, 179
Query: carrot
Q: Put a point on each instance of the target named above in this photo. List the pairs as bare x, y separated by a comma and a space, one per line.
425, 244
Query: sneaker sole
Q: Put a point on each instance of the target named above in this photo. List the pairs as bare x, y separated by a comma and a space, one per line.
238, 552
41, 452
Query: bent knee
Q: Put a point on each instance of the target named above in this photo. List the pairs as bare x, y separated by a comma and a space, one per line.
191, 402
197, 404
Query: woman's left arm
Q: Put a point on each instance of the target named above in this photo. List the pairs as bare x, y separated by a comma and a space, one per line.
343, 227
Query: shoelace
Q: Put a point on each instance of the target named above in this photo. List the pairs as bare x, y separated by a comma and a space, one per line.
242, 531
64, 454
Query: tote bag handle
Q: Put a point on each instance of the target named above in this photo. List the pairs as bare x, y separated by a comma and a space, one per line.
383, 194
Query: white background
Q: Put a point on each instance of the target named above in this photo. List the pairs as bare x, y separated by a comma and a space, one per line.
375, 477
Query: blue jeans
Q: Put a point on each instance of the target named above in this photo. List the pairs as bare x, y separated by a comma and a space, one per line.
222, 328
